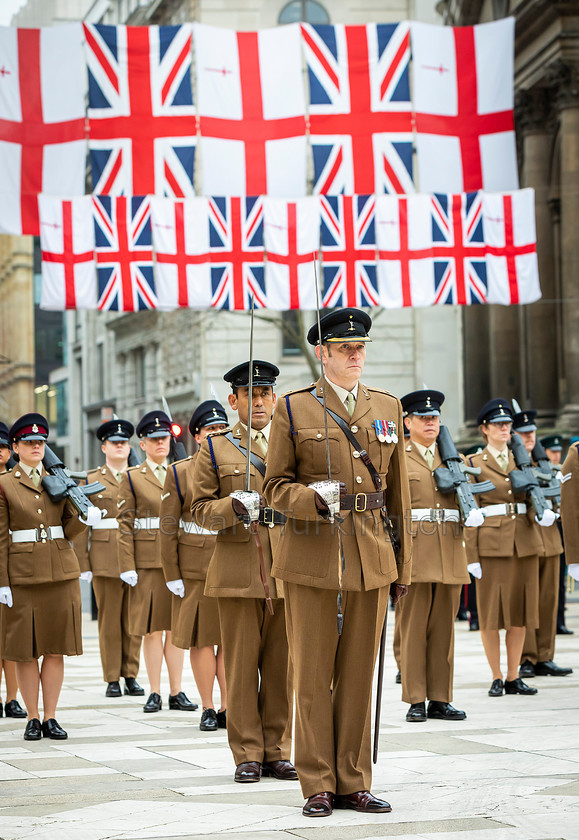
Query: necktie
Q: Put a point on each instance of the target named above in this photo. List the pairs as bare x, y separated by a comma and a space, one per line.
350, 404
503, 461
261, 442
35, 476
118, 476
429, 457
161, 472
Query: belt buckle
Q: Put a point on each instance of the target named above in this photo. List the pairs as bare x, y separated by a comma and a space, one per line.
360, 496
268, 516
436, 515
41, 534
511, 508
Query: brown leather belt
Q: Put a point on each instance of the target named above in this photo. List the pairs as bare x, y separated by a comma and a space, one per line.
360, 502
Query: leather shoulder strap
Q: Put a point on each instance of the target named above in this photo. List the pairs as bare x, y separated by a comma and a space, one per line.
255, 460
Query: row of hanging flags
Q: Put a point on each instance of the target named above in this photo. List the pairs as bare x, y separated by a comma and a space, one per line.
250, 132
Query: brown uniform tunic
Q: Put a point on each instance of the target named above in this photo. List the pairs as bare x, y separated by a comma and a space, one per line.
46, 614
333, 674
570, 504
426, 615
97, 553
186, 550
255, 649
140, 549
507, 547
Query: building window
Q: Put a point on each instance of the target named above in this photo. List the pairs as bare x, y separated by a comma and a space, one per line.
139, 372
61, 393
308, 11
291, 326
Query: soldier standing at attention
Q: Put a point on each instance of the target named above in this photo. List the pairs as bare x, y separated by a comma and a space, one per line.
99, 562
255, 650
553, 445
333, 673
539, 647
570, 509
426, 616
138, 510
186, 550
39, 579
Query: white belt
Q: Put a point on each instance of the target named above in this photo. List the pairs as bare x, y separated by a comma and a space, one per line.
105, 524
194, 528
147, 523
435, 515
55, 532
509, 508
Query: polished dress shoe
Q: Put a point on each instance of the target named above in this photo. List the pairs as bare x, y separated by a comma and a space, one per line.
462, 614
113, 689
33, 731
527, 669
208, 721
562, 630
133, 688
319, 805
283, 770
154, 703
550, 669
222, 719
473, 624
398, 678
444, 711
416, 713
52, 729
13, 709
518, 687
364, 802
247, 771
496, 689
182, 703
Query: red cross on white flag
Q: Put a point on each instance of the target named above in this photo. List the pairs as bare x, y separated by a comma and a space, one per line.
291, 237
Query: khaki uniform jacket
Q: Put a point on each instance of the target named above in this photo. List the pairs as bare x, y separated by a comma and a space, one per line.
97, 550
438, 548
308, 550
139, 497
24, 506
184, 555
234, 568
570, 504
550, 538
500, 536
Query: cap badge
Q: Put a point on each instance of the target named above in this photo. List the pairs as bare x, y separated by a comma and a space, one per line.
35, 428
255, 373
526, 418
428, 405
157, 422
119, 430
502, 411
215, 413
351, 328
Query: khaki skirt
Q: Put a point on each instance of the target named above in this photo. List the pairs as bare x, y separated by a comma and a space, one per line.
45, 618
149, 603
507, 595
195, 618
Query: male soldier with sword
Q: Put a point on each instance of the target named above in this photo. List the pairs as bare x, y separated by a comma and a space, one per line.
337, 574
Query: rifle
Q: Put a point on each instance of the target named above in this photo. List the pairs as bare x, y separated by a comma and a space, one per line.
59, 485
452, 478
551, 488
134, 459
525, 479
177, 451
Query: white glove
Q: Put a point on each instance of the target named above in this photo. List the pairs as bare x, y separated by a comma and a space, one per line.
93, 515
86, 576
572, 568
129, 577
475, 518
475, 570
177, 587
548, 519
6, 595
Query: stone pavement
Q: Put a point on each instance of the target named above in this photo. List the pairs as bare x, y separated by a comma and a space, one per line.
510, 772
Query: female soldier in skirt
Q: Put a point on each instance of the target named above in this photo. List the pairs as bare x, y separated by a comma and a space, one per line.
39, 579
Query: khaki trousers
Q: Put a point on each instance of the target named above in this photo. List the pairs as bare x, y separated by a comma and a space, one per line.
426, 617
120, 652
258, 677
540, 643
333, 684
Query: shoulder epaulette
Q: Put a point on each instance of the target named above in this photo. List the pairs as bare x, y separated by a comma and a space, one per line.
380, 391
136, 468
181, 461
306, 388
220, 432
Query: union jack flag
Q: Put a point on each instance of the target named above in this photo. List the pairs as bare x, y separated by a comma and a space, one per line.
236, 252
142, 123
124, 253
349, 250
460, 272
360, 114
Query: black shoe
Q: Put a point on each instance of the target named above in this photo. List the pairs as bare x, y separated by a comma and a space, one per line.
13, 709
518, 687
52, 729
462, 614
113, 689
182, 703
33, 731
319, 805
473, 624
444, 711
209, 721
564, 631
222, 719
133, 688
527, 670
549, 669
398, 678
247, 771
154, 703
416, 713
496, 689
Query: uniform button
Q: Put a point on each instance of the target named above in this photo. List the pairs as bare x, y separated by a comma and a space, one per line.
355, 454
463, 544
513, 516
354, 429
100, 495
510, 492
358, 479
41, 525
43, 541
39, 510
507, 479
37, 496
236, 472
319, 435
438, 504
